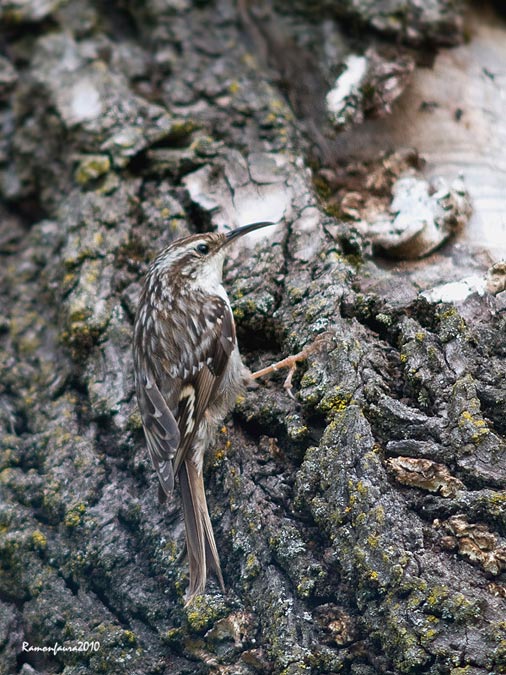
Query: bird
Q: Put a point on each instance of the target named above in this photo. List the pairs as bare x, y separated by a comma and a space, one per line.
188, 374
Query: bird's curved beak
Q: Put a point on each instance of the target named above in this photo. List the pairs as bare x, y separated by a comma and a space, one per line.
245, 229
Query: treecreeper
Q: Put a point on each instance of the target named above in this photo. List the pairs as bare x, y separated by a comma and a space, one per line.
188, 374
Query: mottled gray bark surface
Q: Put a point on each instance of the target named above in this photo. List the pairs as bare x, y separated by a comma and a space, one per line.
361, 525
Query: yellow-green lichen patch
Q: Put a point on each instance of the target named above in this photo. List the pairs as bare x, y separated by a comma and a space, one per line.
493, 504
291, 551
451, 324
80, 339
315, 309
173, 636
7, 476
404, 639
91, 167
295, 429
203, 611
39, 541
335, 401
443, 602
305, 587
118, 648
87, 315
38, 583
238, 313
10, 451
500, 657
296, 293
130, 637
77, 564
74, 514
134, 420
181, 129
252, 567
220, 451
475, 426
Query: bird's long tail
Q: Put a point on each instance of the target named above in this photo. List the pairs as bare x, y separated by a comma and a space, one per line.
202, 551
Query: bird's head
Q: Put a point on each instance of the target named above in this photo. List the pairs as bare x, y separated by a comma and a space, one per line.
199, 257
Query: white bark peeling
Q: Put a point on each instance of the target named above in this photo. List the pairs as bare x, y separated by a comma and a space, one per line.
346, 85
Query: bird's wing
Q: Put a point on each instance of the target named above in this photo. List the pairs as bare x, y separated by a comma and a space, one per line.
210, 357
160, 428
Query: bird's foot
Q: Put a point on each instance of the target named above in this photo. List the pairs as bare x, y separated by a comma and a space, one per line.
291, 363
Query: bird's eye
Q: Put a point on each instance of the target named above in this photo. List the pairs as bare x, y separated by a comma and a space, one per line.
202, 248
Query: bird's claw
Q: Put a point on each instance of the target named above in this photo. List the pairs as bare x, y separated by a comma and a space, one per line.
287, 385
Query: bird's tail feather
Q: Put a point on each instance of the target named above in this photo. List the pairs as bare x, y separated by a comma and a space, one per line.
202, 551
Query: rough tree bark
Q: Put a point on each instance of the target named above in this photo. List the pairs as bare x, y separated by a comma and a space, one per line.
361, 526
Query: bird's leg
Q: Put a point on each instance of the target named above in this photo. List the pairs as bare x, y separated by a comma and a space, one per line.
291, 363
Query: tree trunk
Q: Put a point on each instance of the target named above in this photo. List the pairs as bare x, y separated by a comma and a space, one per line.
361, 524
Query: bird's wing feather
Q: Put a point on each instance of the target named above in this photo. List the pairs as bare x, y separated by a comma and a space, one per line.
161, 430
211, 357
